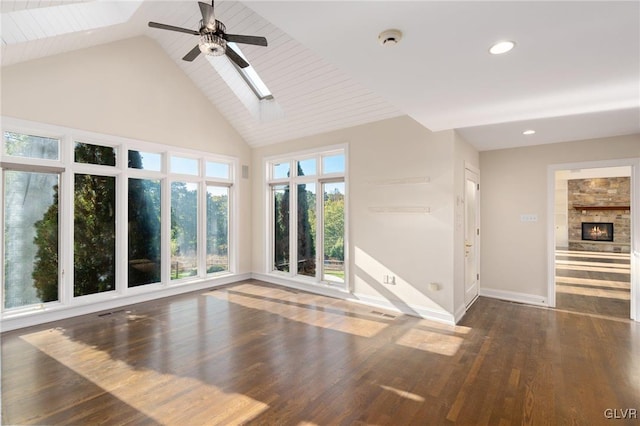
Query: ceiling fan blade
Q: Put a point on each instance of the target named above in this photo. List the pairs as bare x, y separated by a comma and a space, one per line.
236, 38
236, 58
208, 18
172, 28
193, 53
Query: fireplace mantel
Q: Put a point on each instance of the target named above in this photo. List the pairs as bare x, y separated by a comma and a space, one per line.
602, 207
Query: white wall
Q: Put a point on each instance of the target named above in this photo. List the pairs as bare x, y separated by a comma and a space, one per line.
129, 88
514, 182
561, 211
415, 248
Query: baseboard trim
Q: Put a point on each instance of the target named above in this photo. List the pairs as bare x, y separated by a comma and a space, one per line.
405, 308
377, 302
28, 319
460, 312
323, 290
512, 296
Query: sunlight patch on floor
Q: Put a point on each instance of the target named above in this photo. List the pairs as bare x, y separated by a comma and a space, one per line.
611, 270
291, 310
625, 285
593, 254
403, 394
438, 343
620, 266
143, 389
594, 292
448, 329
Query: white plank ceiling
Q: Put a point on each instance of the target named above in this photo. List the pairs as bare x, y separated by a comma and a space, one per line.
314, 95
573, 74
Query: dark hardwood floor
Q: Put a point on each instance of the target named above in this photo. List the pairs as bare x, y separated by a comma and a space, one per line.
594, 283
253, 353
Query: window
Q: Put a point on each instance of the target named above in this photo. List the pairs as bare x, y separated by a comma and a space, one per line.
22, 145
333, 218
144, 239
307, 167
184, 229
308, 224
145, 160
185, 166
333, 164
218, 170
132, 225
250, 75
217, 229
306, 214
94, 225
31, 235
280, 170
94, 154
280, 198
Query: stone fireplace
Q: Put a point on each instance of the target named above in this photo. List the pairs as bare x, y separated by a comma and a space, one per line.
597, 207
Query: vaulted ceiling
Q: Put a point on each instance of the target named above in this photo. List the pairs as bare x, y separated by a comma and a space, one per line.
574, 73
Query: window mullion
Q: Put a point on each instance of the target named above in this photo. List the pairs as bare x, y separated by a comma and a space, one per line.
165, 223
202, 229
231, 212
319, 232
122, 237
65, 218
293, 228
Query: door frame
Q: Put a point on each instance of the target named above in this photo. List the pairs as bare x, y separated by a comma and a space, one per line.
476, 171
634, 163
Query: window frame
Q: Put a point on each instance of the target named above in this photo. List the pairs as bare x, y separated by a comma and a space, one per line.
31, 131
117, 148
319, 179
118, 237
231, 214
67, 168
251, 82
199, 224
62, 293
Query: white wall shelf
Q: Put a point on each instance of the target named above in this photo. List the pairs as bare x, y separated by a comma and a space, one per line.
407, 209
418, 180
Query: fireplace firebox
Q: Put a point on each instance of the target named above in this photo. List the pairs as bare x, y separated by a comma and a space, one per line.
597, 231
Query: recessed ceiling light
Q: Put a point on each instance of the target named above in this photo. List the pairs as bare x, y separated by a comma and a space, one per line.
528, 132
501, 47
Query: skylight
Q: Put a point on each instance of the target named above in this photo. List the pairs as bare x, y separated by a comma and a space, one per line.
51, 19
250, 75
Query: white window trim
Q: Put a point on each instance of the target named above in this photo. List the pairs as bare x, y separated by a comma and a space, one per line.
292, 181
67, 168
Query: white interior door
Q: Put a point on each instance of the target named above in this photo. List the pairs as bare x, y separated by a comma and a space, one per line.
471, 236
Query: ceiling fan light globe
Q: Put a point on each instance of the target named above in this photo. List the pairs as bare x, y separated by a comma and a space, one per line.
212, 45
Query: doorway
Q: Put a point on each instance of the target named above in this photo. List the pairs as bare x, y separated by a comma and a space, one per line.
592, 258
471, 235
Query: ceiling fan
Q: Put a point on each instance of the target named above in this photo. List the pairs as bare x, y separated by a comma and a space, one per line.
213, 37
